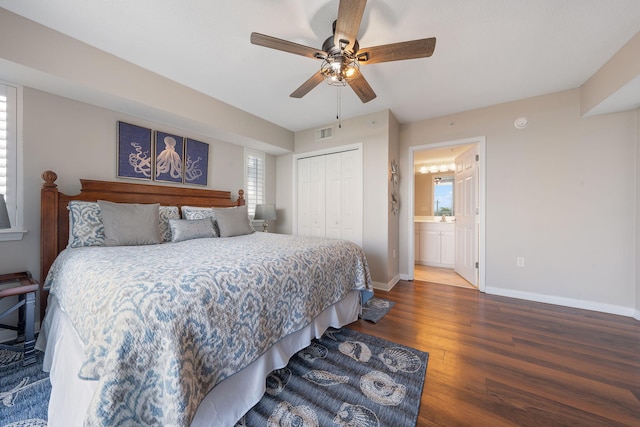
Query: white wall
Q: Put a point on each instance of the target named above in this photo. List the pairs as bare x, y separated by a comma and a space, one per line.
637, 234
393, 226
560, 193
284, 194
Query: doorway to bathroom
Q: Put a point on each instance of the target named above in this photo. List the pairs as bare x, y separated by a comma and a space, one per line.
447, 213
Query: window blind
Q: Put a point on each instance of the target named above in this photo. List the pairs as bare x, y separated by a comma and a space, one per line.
3, 140
254, 184
9, 149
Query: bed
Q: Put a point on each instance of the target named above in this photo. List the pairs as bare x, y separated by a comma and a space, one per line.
182, 332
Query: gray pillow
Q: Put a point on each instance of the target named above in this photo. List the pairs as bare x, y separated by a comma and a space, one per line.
233, 221
187, 229
130, 224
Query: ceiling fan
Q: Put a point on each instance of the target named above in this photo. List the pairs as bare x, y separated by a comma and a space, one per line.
342, 56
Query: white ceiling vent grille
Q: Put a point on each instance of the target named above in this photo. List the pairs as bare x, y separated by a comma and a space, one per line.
326, 133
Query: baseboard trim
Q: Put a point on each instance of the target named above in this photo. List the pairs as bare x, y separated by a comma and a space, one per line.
386, 286
567, 302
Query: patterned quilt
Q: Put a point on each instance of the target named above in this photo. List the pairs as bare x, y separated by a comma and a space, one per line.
163, 324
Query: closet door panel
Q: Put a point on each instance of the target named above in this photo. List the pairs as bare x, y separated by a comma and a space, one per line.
333, 195
317, 188
351, 196
304, 197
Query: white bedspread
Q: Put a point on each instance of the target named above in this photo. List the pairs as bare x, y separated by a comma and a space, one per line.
161, 325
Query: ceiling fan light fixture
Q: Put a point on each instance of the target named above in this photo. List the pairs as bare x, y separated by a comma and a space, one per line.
339, 69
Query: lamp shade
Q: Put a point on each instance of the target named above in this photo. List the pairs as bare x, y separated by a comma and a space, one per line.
4, 215
265, 212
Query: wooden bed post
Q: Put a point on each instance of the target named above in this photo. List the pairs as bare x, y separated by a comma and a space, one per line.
240, 201
48, 231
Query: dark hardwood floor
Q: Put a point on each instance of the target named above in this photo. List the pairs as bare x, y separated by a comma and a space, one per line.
496, 361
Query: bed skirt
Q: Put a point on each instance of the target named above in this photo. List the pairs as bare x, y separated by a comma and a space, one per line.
223, 406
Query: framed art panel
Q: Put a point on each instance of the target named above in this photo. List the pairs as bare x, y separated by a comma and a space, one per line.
134, 151
169, 150
196, 162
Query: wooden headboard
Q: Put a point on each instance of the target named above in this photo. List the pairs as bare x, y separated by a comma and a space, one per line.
54, 216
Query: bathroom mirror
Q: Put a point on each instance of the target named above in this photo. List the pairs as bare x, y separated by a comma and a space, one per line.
443, 195
434, 194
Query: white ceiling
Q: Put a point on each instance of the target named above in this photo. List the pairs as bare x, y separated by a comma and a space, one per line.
487, 51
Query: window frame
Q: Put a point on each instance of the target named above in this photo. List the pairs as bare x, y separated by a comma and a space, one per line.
15, 183
250, 203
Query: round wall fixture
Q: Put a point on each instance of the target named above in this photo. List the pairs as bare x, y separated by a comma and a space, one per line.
521, 122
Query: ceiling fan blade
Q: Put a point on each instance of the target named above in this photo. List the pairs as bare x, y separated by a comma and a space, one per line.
421, 48
313, 81
348, 23
361, 87
286, 46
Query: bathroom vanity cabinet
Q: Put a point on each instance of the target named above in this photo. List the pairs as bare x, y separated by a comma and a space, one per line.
435, 243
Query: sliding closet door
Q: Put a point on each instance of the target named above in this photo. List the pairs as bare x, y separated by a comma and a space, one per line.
333, 195
329, 191
351, 196
311, 190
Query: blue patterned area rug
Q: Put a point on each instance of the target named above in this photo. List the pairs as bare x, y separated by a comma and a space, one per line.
375, 309
24, 391
348, 379
345, 378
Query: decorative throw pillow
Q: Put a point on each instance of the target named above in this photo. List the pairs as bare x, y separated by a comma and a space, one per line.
130, 224
187, 229
166, 213
85, 224
195, 212
233, 221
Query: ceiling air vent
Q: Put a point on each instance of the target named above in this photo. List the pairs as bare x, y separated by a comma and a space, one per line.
325, 133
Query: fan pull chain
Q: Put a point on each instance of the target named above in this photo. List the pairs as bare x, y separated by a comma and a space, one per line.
339, 108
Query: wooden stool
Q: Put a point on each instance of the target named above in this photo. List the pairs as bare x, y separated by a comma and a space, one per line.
25, 287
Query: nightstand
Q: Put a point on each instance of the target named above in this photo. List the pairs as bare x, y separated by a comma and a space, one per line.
24, 287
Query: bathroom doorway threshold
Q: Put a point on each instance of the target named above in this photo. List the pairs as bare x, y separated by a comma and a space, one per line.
443, 276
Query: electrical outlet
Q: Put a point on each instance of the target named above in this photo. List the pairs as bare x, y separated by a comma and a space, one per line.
520, 261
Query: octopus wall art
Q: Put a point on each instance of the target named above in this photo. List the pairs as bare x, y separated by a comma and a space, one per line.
169, 151
172, 158
196, 163
134, 151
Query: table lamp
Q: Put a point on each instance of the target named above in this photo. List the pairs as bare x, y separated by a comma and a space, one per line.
4, 215
265, 213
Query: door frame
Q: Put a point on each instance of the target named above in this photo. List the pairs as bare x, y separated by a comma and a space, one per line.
482, 162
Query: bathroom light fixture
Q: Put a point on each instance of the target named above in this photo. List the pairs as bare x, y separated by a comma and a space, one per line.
437, 168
